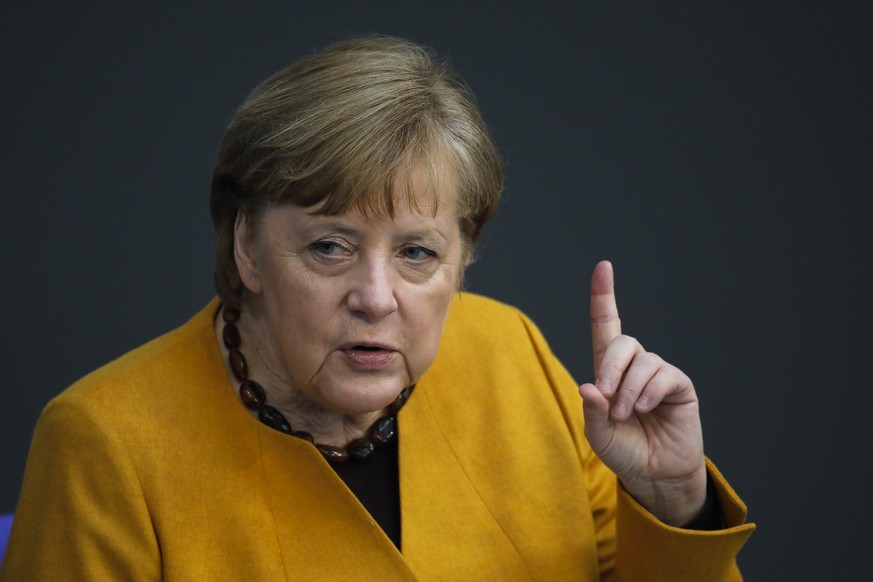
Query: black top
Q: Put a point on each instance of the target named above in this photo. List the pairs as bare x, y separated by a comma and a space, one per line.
376, 484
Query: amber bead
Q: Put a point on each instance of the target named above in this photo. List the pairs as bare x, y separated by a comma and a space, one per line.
332, 454
303, 435
360, 449
230, 335
274, 419
400, 400
229, 314
384, 431
252, 395
238, 364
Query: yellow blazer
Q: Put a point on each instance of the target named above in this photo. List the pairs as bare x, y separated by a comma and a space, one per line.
151, 469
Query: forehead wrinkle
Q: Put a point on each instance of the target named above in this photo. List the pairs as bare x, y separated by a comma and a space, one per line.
422, 235
336, 223
334, 227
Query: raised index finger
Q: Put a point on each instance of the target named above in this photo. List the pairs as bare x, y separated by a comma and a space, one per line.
605, 324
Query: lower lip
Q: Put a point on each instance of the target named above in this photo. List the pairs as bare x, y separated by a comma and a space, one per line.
367, 359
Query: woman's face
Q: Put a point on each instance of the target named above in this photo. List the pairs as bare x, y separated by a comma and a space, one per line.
353, 306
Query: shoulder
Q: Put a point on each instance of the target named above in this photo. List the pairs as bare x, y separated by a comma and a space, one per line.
487, 341
106, 453
471, 306
143, 382
478, 322
472, 313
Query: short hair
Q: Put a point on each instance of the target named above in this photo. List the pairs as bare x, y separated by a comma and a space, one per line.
339, 128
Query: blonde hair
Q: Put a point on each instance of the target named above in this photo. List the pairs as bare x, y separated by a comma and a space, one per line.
339, 128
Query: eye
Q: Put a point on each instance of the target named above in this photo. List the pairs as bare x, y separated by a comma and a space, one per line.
417, 253
329, 248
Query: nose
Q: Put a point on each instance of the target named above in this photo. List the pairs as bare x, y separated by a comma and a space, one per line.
372, 295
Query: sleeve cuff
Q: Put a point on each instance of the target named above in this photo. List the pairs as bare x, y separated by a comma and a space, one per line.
648, 549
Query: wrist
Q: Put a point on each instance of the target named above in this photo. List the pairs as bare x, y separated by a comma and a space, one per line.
674, 501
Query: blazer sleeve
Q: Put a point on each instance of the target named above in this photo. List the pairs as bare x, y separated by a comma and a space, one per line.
81, 514
632, 544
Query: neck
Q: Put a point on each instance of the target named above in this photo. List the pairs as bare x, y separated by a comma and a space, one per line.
326, 426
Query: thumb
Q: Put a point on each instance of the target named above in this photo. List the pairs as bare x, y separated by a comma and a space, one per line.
595, 409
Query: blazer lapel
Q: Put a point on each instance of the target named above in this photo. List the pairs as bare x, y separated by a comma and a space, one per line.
324, 533
447, 531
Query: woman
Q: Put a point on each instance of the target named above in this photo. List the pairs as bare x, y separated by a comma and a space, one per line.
341, 411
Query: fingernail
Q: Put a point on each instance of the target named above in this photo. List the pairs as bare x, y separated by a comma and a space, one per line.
619, 410
643, 403
604, 385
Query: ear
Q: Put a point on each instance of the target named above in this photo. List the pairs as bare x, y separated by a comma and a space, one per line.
245, 254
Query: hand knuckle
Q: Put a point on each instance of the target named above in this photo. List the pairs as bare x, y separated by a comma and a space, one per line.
631, 392
612, 365
649, 359
656, 388
631, 342
675, 372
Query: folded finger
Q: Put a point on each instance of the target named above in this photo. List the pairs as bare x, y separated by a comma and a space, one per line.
595, 407
616, 359
643, 368
662, 384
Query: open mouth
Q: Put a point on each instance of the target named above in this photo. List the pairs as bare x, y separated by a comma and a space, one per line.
368, 357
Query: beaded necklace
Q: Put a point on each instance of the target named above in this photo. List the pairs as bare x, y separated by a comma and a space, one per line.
381, 433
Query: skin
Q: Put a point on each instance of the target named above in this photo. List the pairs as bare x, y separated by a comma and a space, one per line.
321, 289
642, 416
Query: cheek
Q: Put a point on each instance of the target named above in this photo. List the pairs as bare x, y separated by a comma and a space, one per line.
298, 310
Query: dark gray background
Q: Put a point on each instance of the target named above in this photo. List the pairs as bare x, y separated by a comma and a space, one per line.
718, 153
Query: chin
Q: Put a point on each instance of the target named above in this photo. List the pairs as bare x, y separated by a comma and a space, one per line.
363, 396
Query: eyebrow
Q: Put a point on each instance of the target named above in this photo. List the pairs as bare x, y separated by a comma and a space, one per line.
334, 226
